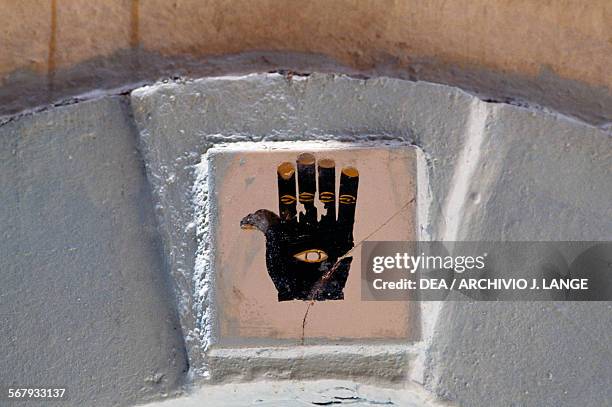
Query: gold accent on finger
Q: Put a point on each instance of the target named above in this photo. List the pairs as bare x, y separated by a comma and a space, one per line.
288, 199
306, 197
326, 196
347, 199
350, 172
306, 159
327, 163
286, 170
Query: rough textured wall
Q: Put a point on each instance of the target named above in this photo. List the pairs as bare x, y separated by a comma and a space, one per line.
81, 254
85, 302
555, 54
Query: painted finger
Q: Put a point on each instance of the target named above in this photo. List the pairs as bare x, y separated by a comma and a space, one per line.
349, 182
307, 187
287, 200
327, 189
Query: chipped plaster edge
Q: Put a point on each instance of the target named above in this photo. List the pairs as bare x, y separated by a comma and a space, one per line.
203, 275
204, 306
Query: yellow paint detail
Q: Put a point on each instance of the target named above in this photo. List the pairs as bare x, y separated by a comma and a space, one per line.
288, 199
286, 170
306, 197
326, 196
311, 256
350, 172
306, 159
347, 199
327, 163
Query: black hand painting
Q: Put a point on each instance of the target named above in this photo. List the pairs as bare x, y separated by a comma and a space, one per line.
301, 249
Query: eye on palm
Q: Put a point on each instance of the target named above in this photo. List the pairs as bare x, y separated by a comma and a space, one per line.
300, 247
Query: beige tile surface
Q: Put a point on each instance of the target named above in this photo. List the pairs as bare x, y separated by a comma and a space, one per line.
248, 309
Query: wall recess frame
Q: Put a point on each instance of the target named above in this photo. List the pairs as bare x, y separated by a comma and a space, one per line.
214, 111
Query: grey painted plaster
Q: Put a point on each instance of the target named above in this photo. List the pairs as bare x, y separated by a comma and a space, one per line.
128, 69
291, 393
539, 177
376, 364
495, 172
84, 298
179, 122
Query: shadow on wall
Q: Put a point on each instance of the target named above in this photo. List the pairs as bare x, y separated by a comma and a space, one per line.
131, 68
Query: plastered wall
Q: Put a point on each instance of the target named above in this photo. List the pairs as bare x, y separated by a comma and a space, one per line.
84, 257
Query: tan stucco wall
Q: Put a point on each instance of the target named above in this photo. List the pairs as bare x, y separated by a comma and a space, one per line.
570, 39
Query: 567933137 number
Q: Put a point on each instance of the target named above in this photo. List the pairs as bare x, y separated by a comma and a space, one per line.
35, 393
